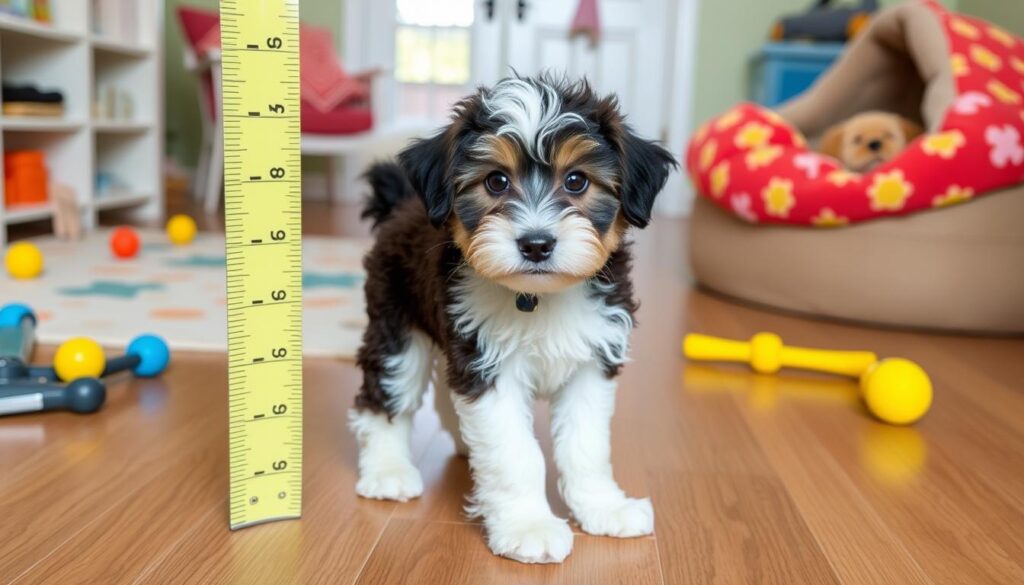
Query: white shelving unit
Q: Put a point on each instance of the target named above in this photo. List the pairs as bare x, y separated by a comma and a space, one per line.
70, 56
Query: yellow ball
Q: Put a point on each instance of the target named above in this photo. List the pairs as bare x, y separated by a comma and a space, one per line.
897, 391
24, 261
181, 230
79, 357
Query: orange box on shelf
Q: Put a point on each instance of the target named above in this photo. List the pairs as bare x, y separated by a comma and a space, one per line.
25, 179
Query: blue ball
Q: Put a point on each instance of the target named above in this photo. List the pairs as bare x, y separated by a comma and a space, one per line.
12, 314
153, 355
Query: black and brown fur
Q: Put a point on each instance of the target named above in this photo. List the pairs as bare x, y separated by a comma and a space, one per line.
426, 207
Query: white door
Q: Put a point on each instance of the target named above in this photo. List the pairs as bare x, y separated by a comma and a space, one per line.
629, 59
439, 50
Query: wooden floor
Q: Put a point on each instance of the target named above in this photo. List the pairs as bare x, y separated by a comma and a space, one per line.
754, 479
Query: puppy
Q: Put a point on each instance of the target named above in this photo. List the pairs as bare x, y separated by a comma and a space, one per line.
500, 273
869, 139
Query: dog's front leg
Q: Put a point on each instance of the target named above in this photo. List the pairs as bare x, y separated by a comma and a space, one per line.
581, 428
508, 472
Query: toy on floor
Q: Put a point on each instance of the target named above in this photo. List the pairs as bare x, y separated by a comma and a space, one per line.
181, 230
67, 217
24, 261
869, 139
895, 390
124, 242
79, 362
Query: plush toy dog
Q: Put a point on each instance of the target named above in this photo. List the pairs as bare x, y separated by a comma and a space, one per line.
869, 139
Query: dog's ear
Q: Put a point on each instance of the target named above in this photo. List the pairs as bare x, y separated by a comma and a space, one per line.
645, 168
644, 164
426, 164
911, 130
832, 141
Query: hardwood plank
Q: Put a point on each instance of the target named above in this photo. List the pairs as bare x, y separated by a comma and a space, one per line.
414, 552
68, 484
728, 528
331, 541
853, 536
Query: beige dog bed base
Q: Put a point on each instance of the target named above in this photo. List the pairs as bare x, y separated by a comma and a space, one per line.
959, 269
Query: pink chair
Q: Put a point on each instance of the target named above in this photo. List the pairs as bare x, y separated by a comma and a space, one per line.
337, 109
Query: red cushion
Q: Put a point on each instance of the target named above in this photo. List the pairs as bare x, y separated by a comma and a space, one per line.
340, 120
197, 23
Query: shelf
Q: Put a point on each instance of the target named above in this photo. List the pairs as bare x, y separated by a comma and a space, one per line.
120, 126
39, 124
26, 213
118, 201
28, 27
118, 46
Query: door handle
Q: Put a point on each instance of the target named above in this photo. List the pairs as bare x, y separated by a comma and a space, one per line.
489, 9
521, 7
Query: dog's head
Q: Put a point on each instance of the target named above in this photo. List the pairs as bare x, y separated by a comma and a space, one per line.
537, 180
869, 139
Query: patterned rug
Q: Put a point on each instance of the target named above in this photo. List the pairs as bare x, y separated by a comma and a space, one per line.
178, 292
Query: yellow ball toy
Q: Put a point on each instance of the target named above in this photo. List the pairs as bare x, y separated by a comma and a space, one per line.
79, 357
897, 391
181, 230
24, 261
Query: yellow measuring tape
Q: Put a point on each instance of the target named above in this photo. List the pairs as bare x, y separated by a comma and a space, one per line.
263, 201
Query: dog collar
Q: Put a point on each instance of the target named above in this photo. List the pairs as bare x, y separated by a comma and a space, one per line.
526, 302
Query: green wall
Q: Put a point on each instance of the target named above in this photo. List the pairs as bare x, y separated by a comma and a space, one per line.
181, 102
730, 31
1008, 14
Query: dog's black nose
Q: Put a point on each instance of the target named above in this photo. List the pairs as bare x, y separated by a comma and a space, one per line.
536, 247
875, 145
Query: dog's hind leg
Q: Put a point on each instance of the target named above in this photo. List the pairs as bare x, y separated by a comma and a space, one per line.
395, 376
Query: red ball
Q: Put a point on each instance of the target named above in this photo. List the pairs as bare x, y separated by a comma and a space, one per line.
124, 242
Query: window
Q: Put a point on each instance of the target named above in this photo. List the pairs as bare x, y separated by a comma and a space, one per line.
432, 55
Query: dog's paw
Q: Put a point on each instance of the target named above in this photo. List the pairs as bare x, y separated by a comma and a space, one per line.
393, 483
541, 540
622, 518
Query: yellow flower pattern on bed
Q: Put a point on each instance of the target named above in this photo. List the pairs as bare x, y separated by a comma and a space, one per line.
762, 157
986, 58
707, 154
1003, 93
959, 65
728, 120
890, 191
720, 179
955, 194
944, 144
828, 219
778, 197
753, 135
964, 29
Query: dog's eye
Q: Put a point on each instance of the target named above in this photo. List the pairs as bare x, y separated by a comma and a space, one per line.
496, 183
576, 183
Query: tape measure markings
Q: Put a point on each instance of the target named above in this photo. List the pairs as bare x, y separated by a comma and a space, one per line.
262, 173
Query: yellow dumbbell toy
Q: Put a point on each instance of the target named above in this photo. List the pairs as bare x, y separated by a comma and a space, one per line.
895, 390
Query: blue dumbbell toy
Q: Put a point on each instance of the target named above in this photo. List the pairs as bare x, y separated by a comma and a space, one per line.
79, 363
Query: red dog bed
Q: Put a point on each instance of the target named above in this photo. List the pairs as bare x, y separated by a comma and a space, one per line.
954, 269
757, 165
